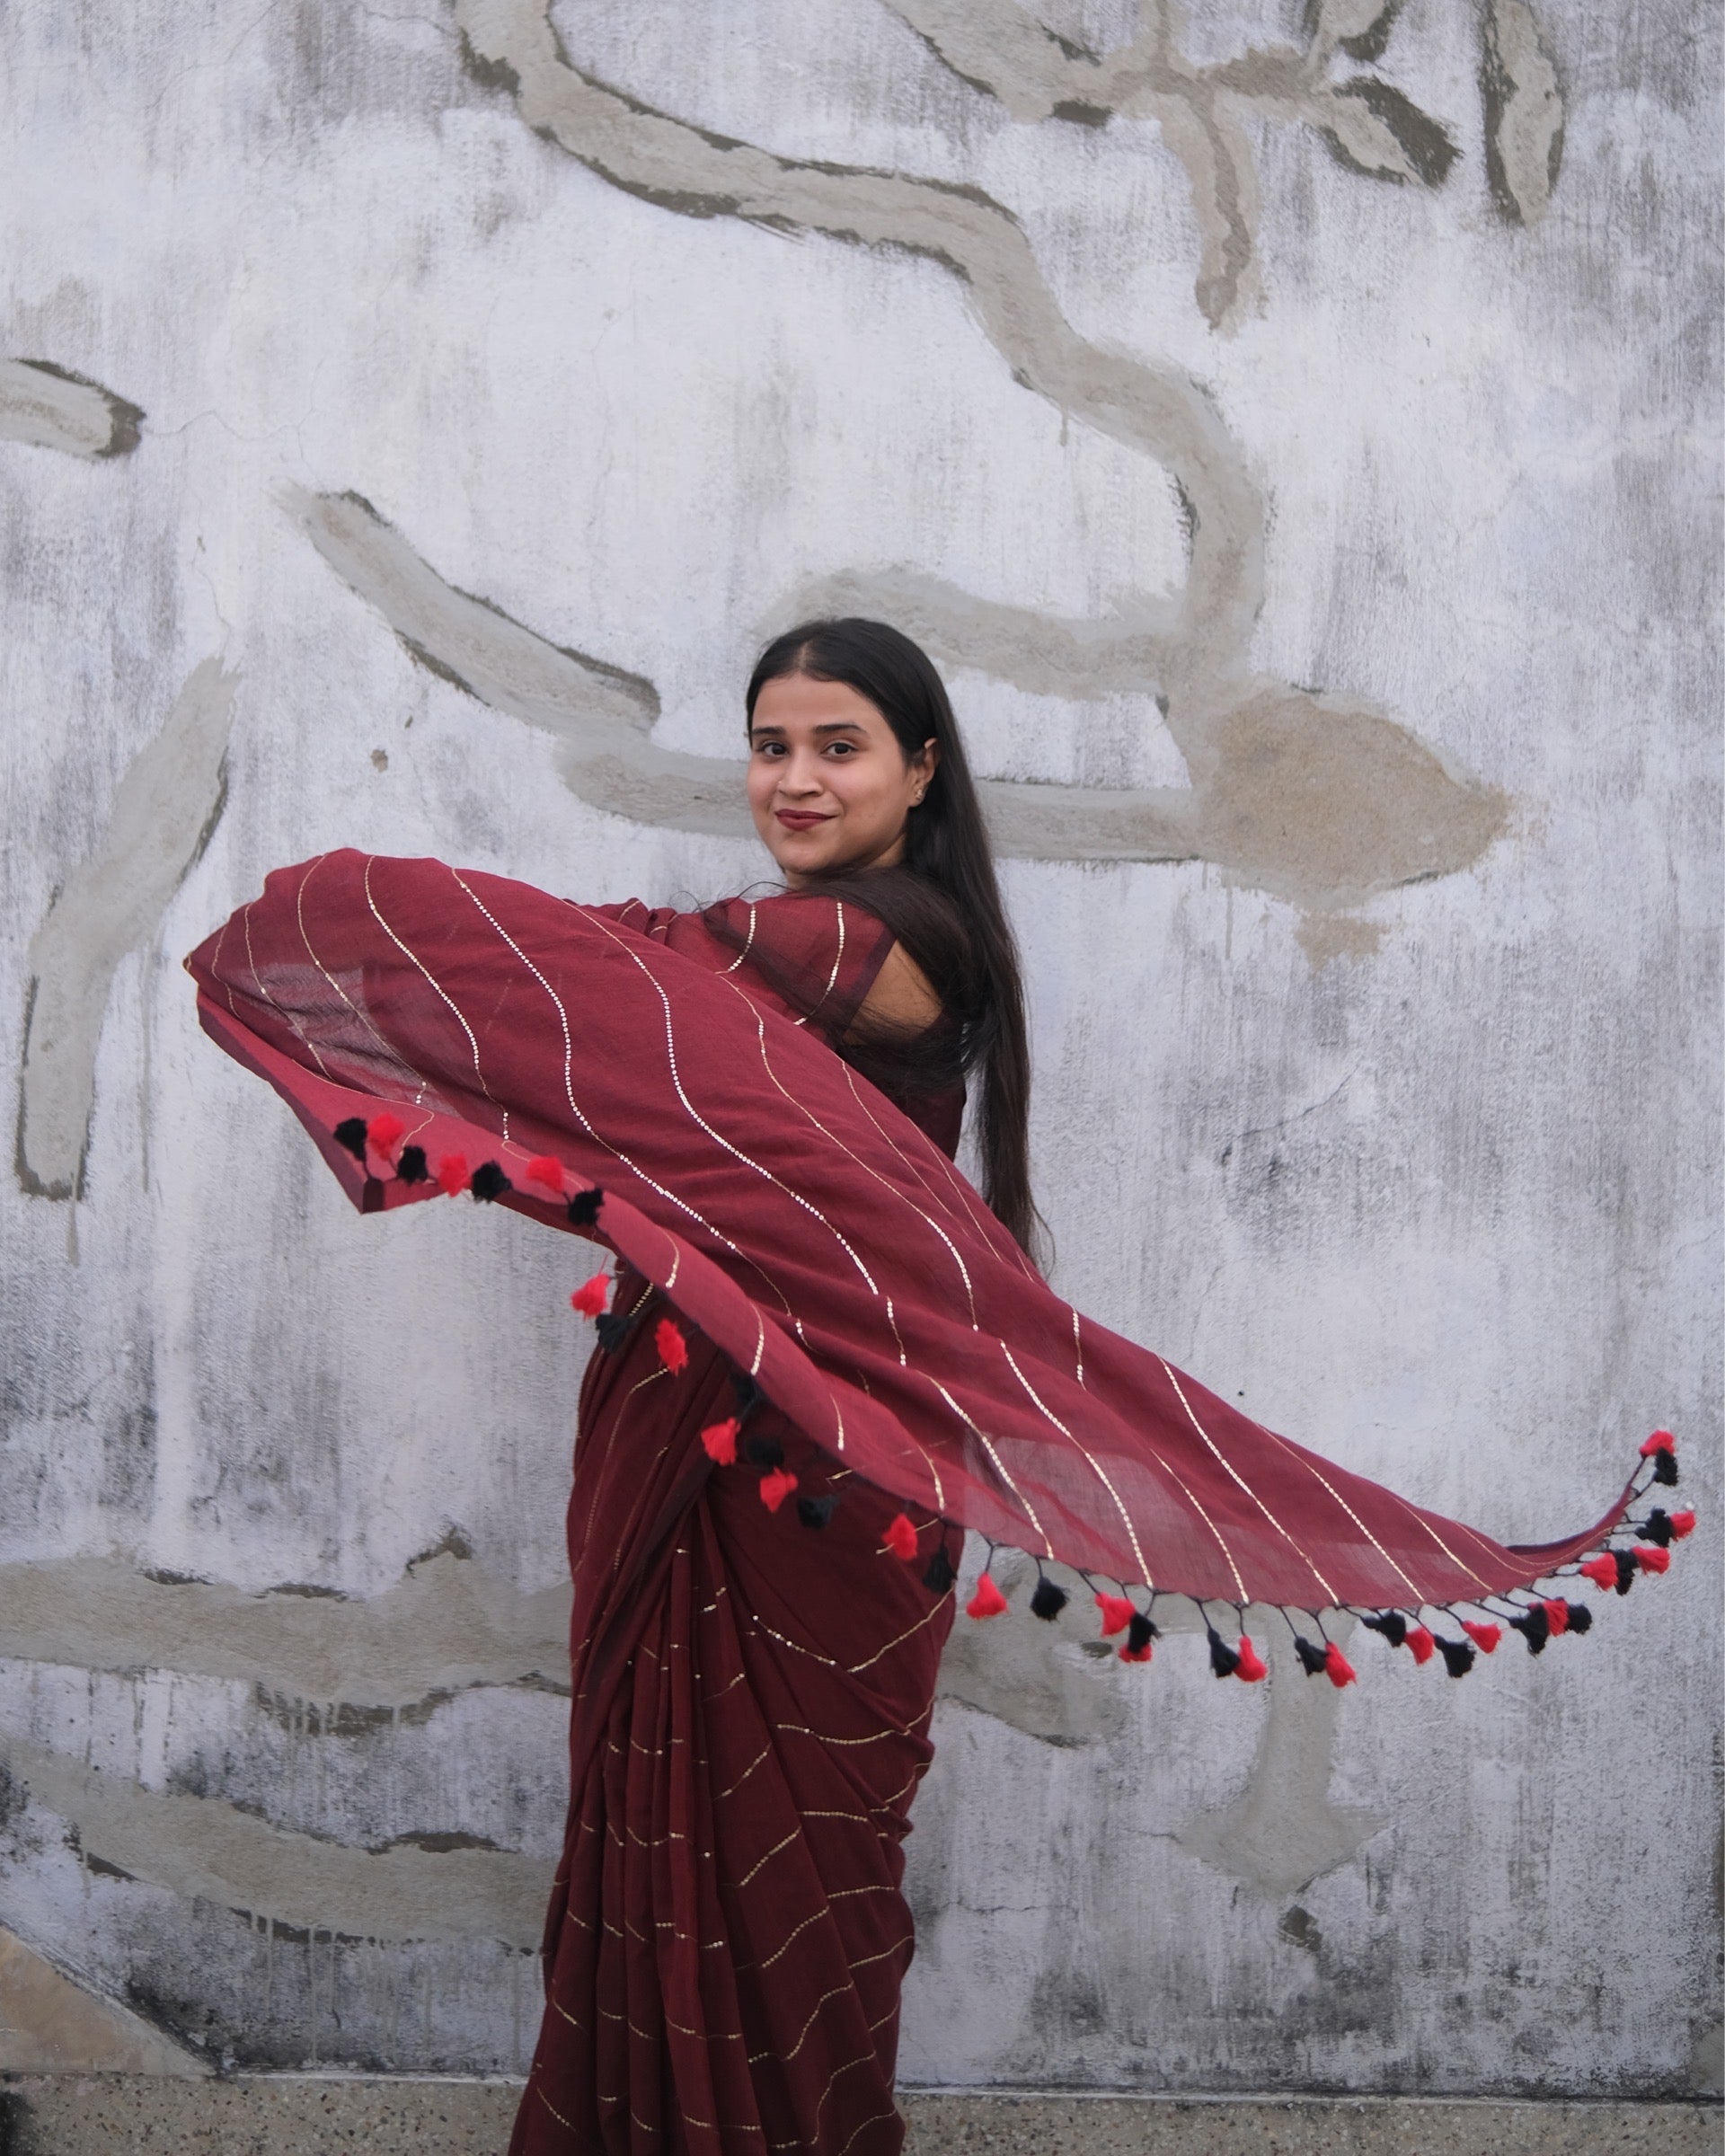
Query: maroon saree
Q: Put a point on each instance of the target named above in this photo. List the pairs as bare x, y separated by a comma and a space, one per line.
823, 1358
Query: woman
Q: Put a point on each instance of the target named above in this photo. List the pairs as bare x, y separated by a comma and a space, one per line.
823, 1356
728, 1938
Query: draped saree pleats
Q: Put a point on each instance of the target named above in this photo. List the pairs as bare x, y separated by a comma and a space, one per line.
728, 1936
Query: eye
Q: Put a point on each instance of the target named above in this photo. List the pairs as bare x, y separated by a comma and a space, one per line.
841, 748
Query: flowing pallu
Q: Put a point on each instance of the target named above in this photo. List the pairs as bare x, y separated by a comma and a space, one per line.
825, 1357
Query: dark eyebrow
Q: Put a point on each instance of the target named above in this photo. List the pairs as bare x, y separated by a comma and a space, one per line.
832, 726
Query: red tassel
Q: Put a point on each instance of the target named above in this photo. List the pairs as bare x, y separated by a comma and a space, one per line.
988, 1600
1485, 1637
1602, 1571
1421, 1644
901, 1537
542, 1169
1251, 1663
1661, 1440
1138, 1654
589, 1298
1557, 1617
452, 1174
673, 1348
1117, 1613
383, 1131
719, 1439
776, 1487
1682, 1524
1650, 1558
1336, 1667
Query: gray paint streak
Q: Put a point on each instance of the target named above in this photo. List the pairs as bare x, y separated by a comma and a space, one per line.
1524, 111
51, 2023
600, 717
1318, 800
204, 1849
164, 809
1282, 1831
54, 409
449, 1625
1054, 1681
999, 47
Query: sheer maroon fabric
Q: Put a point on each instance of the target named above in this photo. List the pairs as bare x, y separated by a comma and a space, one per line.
727, 1936
752, 1686
796, 1217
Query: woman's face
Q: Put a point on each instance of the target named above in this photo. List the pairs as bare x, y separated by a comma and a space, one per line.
828, 786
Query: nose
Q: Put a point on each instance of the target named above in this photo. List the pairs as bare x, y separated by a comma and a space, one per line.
799, 775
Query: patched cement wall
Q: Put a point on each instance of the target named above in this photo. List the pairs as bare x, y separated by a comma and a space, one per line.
1294, 428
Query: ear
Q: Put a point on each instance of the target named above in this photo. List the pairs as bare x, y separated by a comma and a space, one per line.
926, 760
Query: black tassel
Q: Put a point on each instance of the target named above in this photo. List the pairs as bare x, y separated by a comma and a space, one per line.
748, 1394
1580, 1617
1657, 1527
352, 1135
1458, 1656
1665, 1462
1313, 1660
815, 1512
584, 1208
1223, 1660
489, 1182
1626, 1565
612, 1327
1140, 1632
1049, 1601
762, 1452
1391, 1623
1534, 1627
410, 1164
940, 1574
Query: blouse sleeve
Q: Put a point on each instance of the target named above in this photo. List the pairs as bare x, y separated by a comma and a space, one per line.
816, 956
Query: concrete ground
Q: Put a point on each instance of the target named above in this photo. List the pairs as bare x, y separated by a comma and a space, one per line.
307, 2115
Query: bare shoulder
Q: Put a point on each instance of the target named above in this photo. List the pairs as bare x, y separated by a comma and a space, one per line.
901, 997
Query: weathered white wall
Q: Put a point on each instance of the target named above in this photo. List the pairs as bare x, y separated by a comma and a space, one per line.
1354, 530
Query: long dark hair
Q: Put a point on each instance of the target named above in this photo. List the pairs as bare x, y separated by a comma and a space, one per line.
943, 904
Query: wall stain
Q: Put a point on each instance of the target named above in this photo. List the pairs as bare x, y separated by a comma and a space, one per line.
1524, 111
1314, 799
164, 811
1000, 48
207, 1849
55, 409
1282, 1831
448, 1625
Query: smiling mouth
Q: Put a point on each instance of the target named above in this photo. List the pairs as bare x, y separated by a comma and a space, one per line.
801, 819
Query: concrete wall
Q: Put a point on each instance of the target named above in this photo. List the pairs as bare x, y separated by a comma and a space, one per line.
1294, 429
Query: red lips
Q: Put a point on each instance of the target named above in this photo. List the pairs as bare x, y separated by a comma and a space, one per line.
799, 819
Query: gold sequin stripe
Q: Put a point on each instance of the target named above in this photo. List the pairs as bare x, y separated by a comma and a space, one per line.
838, 960
749, 942
391, 1052
1173, 1377
849, 1669
1394, 1563
891, 1189
1106, 1480
965, 1212
880, 2119
280, 1010
439, 989
718, 1137
616, 1152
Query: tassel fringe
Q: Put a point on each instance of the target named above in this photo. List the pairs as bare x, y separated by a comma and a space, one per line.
1635, 1548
